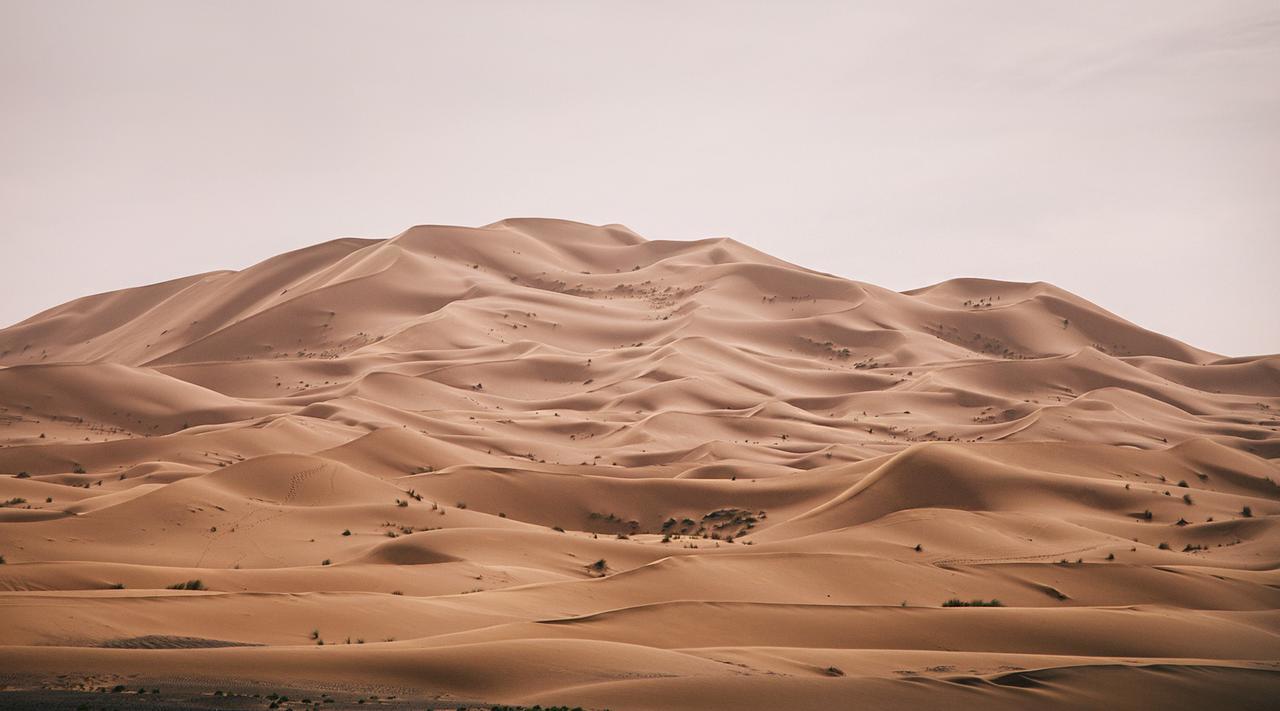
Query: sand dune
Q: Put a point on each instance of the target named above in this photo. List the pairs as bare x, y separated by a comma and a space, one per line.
548, 462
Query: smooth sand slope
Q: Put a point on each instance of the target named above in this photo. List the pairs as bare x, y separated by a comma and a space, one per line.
547, 462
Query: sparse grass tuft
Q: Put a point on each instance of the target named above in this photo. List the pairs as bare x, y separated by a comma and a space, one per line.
189, 585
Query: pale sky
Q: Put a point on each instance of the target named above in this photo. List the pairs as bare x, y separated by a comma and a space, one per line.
1125, 151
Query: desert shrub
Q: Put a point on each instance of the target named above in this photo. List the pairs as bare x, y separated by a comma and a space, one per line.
1163, 546
957, 602
833, 671
346, 532
77, 469
1247, 512
189, 585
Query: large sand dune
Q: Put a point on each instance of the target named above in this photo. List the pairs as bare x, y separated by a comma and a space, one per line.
547, 462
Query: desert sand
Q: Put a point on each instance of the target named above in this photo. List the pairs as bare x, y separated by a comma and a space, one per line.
543, 462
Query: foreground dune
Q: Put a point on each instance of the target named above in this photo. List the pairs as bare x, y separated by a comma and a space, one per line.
546, 462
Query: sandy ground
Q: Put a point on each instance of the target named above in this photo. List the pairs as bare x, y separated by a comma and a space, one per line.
547, 463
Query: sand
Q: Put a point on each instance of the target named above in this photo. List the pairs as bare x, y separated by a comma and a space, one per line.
542, 462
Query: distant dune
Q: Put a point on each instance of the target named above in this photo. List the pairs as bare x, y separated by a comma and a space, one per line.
554, 463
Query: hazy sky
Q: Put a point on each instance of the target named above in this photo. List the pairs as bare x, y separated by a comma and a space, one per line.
1126, 151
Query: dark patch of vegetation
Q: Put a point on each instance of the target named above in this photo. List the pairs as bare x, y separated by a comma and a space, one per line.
189, 585
957, 602
534, 708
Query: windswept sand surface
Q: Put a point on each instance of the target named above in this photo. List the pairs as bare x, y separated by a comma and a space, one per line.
545, 462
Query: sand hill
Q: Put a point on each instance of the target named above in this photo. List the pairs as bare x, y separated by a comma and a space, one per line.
547, 462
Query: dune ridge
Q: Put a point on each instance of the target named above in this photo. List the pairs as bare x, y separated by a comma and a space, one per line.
633, 474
